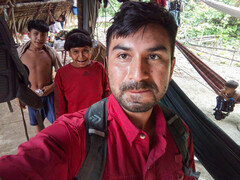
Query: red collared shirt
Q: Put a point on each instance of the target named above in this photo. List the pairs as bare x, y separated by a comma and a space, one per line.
58, 151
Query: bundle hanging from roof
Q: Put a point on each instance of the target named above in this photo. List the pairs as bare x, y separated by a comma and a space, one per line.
233, 11
215, 81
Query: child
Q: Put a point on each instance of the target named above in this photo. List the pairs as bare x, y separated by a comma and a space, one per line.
40, 59
82, 82
226, 100
229, 91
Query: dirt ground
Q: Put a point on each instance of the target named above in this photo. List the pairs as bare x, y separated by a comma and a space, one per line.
12, 131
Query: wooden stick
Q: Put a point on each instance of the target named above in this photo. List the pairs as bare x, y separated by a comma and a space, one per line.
32, 3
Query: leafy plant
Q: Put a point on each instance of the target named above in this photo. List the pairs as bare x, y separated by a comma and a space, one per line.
199, 20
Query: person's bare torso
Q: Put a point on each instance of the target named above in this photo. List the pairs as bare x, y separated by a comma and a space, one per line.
39, 64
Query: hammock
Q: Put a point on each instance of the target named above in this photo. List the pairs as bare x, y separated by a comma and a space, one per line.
218, 153
233, 11
215, 81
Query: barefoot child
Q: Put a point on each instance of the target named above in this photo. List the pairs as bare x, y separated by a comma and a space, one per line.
40, 59
82, 82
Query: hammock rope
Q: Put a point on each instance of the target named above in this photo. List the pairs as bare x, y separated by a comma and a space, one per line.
215, 81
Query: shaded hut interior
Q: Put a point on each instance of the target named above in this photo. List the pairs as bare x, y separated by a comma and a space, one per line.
17, 14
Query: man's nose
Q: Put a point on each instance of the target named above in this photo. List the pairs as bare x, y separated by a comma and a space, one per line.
138, 69
80, 54
40, 37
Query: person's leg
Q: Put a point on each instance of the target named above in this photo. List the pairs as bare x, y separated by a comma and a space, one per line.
49, 108
35, 119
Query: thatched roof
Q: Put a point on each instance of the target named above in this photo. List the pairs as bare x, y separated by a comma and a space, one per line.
21, 11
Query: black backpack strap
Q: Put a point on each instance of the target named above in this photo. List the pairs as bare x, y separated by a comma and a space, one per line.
180, 136
96, 142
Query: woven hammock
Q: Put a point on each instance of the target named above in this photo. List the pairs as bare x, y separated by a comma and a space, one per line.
215, 81
233, 11
217, 152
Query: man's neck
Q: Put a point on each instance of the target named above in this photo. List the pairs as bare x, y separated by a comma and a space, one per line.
34, 49
140, 120
232, 94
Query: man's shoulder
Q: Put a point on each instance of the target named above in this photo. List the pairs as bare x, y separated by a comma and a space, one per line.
64, 69
97, 67
22, 48
97, 64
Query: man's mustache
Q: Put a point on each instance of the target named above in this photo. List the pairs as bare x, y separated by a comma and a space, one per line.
138, 85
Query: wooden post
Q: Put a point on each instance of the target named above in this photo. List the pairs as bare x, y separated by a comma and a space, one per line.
232, 58
80, 13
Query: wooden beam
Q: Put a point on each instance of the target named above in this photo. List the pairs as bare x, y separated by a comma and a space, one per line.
80, 13
33, 3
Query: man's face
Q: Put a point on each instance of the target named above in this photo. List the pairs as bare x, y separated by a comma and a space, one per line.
229, 91
80, 56
37, 38
140, 68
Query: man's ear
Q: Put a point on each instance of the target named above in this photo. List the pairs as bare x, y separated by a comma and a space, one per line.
29, 34
172, 67
107, 62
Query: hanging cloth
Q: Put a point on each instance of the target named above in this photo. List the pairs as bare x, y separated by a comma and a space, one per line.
163, 3
215, 81
217, 152
233, 11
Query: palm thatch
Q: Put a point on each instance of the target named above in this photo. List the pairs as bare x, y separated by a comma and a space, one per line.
19, 12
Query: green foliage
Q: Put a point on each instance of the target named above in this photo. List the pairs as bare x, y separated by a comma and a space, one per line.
198, 20
112, 8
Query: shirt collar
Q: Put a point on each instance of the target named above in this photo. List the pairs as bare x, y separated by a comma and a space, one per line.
116, 112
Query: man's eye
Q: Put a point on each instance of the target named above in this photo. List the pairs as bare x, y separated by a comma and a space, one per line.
85, 51
123, 56
153, 57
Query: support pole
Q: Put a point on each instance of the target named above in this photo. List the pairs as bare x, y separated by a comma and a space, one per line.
80, 13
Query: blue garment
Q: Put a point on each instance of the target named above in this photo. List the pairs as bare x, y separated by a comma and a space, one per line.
176, 15
46, 111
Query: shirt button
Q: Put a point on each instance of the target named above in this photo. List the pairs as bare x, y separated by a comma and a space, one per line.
142, 136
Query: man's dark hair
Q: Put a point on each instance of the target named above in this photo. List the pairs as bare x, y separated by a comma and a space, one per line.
77, 38
63, 17
231, 84
39, 25
135, 15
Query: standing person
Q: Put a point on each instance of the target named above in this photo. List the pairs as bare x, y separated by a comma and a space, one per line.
175, 7
40, 59
82, 82
140, 57
56, 24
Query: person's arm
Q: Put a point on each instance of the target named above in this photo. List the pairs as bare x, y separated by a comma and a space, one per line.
56, 60
222, 93
54, 153
106, 90
52, 19
60, 102
48, 89
237, 101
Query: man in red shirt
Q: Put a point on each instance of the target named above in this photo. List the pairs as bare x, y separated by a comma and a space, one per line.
140, 56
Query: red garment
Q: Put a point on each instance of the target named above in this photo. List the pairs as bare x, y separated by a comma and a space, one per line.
78, 88
57, 152
162, 2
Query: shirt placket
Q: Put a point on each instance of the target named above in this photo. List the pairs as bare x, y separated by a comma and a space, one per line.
142, 142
